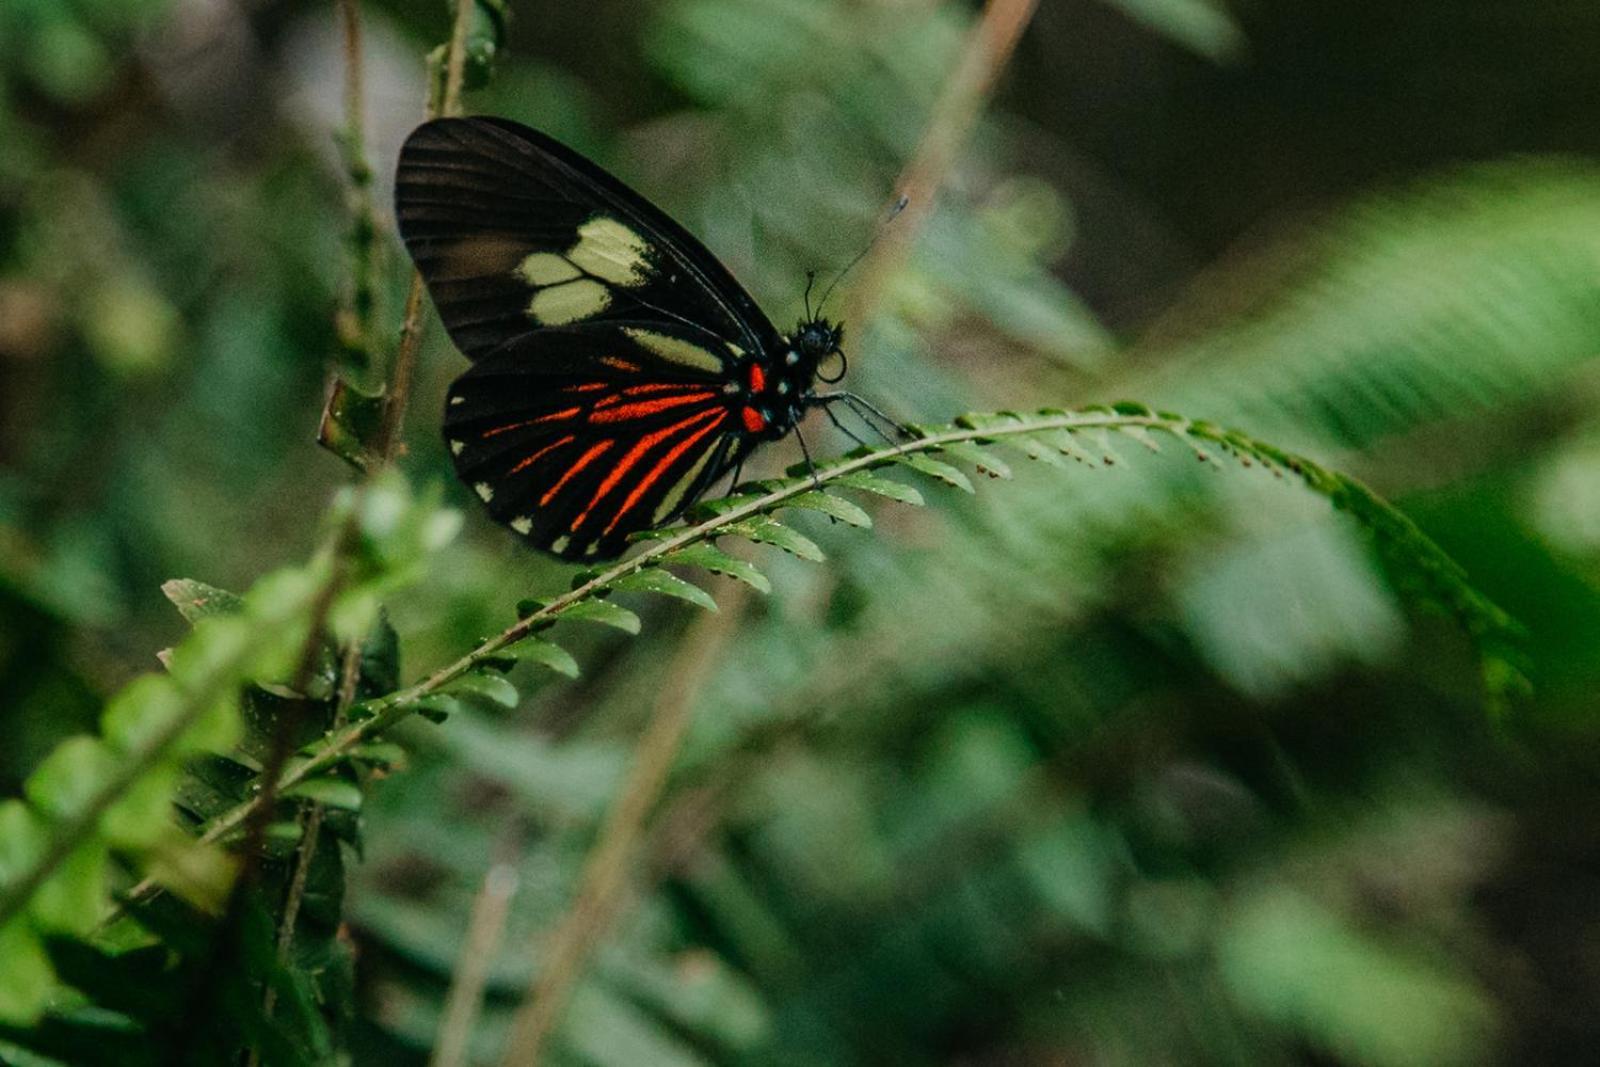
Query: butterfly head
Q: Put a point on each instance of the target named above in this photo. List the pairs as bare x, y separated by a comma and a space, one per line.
817, 344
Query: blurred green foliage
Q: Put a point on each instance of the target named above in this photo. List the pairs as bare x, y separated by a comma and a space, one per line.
1135, 766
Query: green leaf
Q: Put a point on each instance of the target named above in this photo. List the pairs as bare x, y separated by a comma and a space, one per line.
1142, 435
385, 754
603, 612
197, 600
1102, 441
772, 532
380, 659
489, 687
934, 469
1066, 442
22, 840
833, 506
719, 562
142, 815
140, 711
75, 895
27, 981
437, 707
64, 783
655, 580
872, 483
1202, 26
1036, 450
999, 421
986, 463
330, 791
546, 654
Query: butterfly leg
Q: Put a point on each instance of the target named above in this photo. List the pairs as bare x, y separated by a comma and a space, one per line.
865, 412
843, 428
859, 402
816, 483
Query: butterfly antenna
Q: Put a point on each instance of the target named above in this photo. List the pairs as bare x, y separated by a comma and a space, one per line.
894, 213
811, 279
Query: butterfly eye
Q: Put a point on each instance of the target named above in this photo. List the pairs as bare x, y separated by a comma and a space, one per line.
826, 371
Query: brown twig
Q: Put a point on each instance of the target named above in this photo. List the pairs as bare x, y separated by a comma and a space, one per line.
484, 930
403, 371
988, 48
359, 315
563, 958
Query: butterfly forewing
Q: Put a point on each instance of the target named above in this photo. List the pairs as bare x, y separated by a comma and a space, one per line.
514, 232
608, 344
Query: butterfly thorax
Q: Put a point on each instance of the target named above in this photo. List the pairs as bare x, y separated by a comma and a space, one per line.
777, 390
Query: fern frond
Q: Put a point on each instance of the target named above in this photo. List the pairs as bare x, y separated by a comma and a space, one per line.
1087, 435
1460, 293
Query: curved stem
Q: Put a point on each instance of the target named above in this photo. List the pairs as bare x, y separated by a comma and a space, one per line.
1441, 576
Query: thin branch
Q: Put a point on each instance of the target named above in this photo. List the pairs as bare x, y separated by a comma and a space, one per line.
311, 823
359, 316
485, 928
562, 959
987, 50
403, 372
456, 61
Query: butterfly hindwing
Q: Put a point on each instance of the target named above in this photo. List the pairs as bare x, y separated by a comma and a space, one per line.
577, 437
516, 233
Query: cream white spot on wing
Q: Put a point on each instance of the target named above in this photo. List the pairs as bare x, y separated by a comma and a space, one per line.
456, 447
676, 349
612, 252
522, 525
546, 268
674, 497
560, 544
485, 491
457, 400
569, 302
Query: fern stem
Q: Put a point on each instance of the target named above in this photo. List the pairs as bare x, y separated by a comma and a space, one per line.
1438, 575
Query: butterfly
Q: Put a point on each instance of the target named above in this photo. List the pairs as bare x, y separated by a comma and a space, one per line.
618, 369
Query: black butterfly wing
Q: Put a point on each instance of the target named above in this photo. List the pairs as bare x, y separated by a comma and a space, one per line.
515, 233
577, 436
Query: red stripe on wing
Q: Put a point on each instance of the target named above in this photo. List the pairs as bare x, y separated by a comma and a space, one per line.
634, 454
572, 471
554, 416
658, 387
642, 408
530, 460
662, 466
